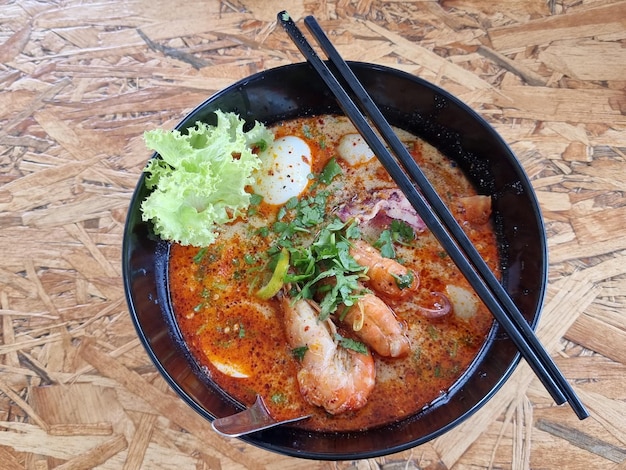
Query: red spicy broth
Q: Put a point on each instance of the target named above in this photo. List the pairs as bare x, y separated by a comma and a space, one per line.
240, 339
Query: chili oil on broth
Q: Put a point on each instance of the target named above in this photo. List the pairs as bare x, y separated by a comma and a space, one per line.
240, 341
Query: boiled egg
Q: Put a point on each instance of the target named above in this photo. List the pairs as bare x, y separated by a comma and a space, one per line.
354, 150
284, 171
228, 368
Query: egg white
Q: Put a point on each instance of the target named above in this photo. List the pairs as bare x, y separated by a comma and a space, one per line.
354, 150
232, 370
285, 169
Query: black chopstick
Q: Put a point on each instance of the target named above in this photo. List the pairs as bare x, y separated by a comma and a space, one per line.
565, 391
433, 211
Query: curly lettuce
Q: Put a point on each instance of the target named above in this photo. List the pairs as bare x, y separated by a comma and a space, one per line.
199, 180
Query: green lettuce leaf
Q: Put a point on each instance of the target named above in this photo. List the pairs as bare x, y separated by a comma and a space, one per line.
199, 180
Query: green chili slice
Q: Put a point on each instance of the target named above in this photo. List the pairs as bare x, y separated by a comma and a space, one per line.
270, 289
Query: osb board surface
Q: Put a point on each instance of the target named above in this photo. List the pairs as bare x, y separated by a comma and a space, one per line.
81, 80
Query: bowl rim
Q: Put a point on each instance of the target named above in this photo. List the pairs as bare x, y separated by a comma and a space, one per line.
257, 438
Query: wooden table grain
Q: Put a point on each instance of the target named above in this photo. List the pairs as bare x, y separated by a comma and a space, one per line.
81, 80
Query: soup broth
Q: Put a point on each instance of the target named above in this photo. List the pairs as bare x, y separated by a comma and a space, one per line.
240, 339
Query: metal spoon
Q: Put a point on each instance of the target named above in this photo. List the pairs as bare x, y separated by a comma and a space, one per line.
256, 418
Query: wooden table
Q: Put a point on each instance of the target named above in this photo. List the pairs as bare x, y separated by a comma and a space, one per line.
79, 83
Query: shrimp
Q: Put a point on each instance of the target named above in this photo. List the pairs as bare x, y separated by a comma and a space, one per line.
377, 326
386, 276
335, 378
477, 209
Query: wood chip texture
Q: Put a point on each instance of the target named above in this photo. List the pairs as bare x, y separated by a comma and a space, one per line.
80, 81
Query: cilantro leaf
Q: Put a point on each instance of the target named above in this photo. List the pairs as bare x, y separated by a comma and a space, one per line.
401, 231
299, 352
330, 170
404, 280
385, 244
327, 269
349, 343
398, 232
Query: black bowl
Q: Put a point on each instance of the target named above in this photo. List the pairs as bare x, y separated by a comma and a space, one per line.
418, 107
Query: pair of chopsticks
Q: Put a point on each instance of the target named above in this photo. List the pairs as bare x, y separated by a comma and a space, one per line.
431, 208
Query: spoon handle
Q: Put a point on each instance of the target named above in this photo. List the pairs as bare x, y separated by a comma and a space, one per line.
256, 418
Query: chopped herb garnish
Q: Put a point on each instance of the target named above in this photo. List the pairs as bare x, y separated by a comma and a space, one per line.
331, 169
326, 267
306, 130
292, 203
299, 352
198, 257
433, 332
405, 280
255, 199
280, 227
278, 398
353, 232
398, 232
401, 231
299, 216
351, 344
311, 215
385, 245
453, 348
323, 266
